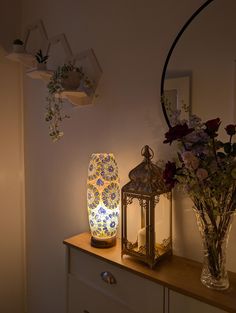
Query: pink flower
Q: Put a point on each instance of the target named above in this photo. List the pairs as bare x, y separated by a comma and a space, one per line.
201, 174
190, 160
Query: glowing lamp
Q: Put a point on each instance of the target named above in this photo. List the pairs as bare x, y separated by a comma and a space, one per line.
103, 199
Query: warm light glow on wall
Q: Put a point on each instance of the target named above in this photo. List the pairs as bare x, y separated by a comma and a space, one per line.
103, 198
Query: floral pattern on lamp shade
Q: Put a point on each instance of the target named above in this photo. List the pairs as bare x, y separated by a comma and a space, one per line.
103, 195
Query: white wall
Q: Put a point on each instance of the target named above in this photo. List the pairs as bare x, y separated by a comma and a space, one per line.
131, 40
12, 278
10, 16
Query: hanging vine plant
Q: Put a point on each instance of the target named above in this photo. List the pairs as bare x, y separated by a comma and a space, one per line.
66, 78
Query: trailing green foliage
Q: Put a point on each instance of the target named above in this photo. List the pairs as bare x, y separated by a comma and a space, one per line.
54, 109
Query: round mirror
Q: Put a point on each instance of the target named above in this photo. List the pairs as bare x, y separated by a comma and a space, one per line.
200, 69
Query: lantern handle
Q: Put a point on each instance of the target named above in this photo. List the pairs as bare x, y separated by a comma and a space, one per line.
147, 152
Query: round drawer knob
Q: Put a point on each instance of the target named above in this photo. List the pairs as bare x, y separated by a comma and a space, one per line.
108, 278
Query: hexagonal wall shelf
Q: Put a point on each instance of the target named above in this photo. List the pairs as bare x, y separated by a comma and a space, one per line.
85, 59
24, 57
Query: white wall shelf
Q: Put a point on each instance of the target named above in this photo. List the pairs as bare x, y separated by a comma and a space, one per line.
61, 38
85, 59
24, 58
44, 75
77, 98
88, 61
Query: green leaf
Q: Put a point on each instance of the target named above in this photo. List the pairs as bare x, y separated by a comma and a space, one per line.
221, 155
227, 147
234, 147
219, 144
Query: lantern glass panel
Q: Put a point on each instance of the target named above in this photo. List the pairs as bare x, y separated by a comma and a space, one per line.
138, 219
162, 223
133, 221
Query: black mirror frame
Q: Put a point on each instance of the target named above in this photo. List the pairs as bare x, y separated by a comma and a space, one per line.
195, 14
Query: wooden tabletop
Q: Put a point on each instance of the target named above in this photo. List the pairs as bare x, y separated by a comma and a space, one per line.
177, 273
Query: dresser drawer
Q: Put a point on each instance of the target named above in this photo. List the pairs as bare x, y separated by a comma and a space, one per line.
86, 299
140, 295
180, 303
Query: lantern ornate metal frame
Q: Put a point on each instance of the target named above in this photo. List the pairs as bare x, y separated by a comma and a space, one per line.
146, 185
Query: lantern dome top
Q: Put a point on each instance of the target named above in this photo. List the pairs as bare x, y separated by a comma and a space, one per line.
146, 178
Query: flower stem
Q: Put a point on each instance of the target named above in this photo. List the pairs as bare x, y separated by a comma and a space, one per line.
214, 151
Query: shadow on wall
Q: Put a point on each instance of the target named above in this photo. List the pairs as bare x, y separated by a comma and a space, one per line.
11, 188
186, 237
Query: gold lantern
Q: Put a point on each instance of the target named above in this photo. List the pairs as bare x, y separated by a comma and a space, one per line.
146, 213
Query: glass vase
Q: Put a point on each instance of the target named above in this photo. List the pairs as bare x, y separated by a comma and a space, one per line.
214, 230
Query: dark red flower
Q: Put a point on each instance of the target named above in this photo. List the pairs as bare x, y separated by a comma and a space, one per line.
230, 129
169, 174
212, 127
177, 132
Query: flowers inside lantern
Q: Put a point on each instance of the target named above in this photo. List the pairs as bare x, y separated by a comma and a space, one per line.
103, 198
146, 213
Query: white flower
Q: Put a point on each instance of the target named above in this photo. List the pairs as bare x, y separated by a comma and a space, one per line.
190, 160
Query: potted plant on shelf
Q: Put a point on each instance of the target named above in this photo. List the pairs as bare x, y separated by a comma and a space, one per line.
41, 60
66, 78
18, 46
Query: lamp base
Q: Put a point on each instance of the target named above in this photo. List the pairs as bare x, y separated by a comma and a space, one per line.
103, 243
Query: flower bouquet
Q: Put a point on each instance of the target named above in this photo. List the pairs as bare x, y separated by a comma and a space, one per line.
205, 168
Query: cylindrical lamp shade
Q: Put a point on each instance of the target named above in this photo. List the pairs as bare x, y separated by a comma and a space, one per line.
103, 198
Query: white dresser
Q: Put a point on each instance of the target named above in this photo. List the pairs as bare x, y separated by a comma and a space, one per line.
100, 281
